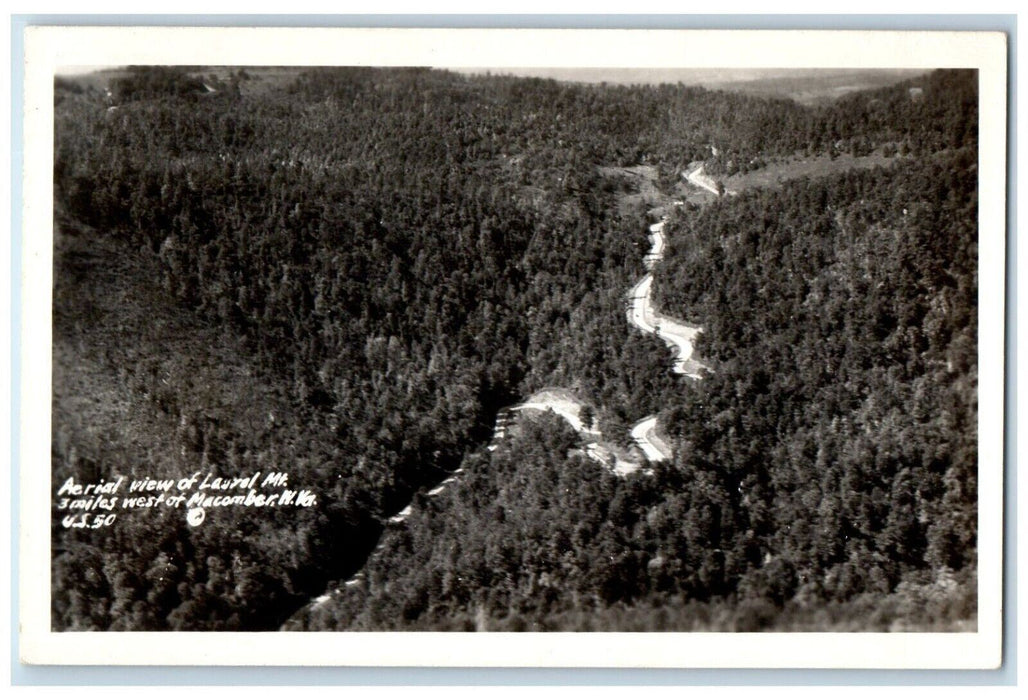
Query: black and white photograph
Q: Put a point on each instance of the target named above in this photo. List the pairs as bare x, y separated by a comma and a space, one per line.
368, 347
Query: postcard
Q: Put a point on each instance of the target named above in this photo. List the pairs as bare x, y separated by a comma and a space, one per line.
500, 347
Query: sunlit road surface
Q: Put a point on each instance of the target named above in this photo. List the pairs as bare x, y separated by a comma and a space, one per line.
700, 179
679, 336
642, 434
641, 314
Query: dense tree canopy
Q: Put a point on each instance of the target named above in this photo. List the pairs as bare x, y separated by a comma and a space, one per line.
347, 275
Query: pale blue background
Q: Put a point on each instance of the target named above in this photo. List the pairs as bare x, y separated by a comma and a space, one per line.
94, 675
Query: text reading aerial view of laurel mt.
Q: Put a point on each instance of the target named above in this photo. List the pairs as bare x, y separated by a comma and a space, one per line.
399, 349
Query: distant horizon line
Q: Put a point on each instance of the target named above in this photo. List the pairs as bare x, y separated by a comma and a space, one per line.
593, 74
681, 74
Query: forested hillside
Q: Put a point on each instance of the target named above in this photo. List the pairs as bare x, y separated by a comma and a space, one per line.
347, 274
829, 463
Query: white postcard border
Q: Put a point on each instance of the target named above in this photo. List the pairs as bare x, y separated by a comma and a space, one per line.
47, 48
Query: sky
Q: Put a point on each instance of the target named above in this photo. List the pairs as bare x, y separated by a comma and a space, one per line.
689, 76
79, 70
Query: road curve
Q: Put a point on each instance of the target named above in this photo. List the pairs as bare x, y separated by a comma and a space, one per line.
568, 410
700, 179
641, 314
642, 433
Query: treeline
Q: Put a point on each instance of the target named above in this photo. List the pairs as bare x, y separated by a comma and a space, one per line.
935, 112
825, 471
155, 82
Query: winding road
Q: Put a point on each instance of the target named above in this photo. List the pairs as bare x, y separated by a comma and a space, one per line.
643, 315
565, 407
642, 433
679, 336
700, 179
